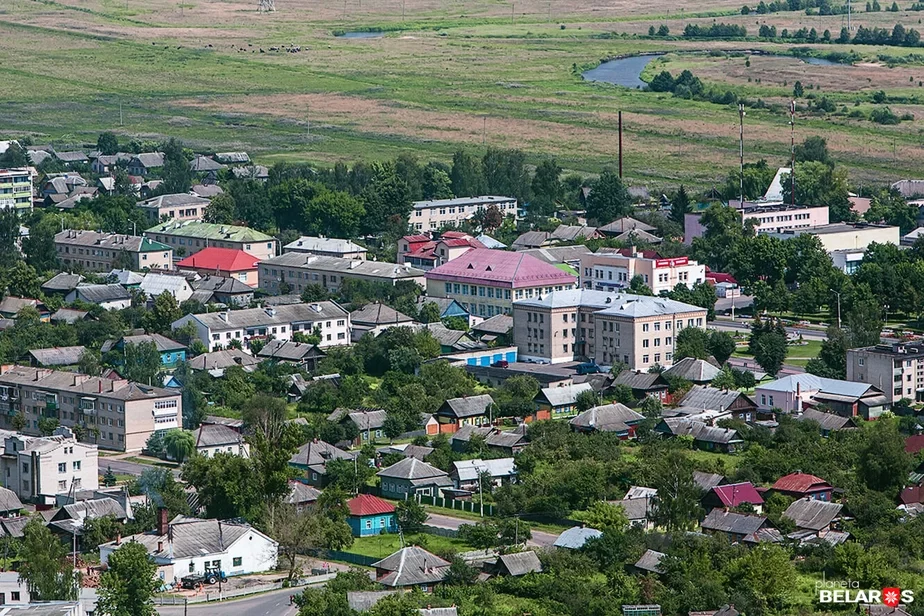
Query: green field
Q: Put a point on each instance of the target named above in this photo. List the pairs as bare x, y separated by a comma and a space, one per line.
463, 72
381, 546
796, 354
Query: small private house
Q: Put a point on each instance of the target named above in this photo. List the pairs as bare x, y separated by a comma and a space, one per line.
638, 510
827, 422
616, 418
448, 307
369, 422
557, 402
518, 563
732, 496
793, 393
371, 515
507, 442
705, 398
172, 353
55, 357
709, 438
61, 284
644, 384
734, 526
107, 296
697, 371
312, 459
411, 477
575, 537
225, 262
649, 562
375, 318
213, 439
11, 305
456, 413
302, 354
813, 515
803, 485
411, 567
188, 545
469, 474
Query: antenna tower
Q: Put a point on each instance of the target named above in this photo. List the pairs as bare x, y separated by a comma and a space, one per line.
267, 6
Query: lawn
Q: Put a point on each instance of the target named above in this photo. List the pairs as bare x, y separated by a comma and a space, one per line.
796, 354
381, 546
472, 73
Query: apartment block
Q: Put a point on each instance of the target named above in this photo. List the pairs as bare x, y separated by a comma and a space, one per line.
849, 236
486, 282
437, 213
614, 269
102, 252
603, 327
425, 252
897, 369
112, 413
40, 468
16, 189
292, 272
178, 206
766, 218
187, 237
326, 247
217, 330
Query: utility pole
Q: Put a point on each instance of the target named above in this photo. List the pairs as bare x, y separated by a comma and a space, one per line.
741, 151
848, 15
792, 148
620, 144
308, 119
484, 129
838, 307
480, 494
120, 113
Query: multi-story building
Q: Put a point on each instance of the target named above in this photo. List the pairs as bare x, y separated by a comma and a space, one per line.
767, 218
180, 206
486, 282
326, 247
103, 252
294, 271
613, 270
39, 468
603, 327
218, 329
187, 237
424, 252
852, 236
113, 413
225, 262
897, 369
16, 189
437, 213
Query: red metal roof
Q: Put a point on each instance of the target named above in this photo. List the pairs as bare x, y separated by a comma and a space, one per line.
413, 239
642, 254
914, 444
367, 504
513, 269
224, 259
736, 494
911, 495
801, 483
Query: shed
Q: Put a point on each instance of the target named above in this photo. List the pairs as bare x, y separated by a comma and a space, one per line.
650, 562
519, 563
574, 538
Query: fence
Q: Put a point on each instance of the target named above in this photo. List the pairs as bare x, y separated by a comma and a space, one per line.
349, 557
213, 595
457, 504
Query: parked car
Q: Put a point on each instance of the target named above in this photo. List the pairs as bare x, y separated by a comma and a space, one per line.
588, 368
503, 363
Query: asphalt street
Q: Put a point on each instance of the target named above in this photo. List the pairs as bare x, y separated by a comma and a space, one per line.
274, 603
124, 467
539, 538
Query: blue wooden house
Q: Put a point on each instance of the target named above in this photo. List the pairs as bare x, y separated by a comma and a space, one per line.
371, 515
172, 353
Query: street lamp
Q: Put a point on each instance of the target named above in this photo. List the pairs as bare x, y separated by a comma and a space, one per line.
838, 307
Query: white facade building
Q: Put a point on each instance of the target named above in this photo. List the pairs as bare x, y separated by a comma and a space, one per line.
38, 468
434, 214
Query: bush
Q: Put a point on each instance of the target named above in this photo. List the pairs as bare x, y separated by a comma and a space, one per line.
883, 115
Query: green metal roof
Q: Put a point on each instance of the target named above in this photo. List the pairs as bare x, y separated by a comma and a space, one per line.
149, 245
210, 231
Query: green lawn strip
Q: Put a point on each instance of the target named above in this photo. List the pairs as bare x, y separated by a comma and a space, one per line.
151, 462
380, 546
475, 518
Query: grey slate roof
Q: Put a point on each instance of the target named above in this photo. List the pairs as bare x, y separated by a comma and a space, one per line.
812, 514
194, 537
711, 398
58, 356
564, 395
694, 370
289, 350
707, 481
701, 432
530, 239
373, 269
413, 470
639, 380
506, 439
636, 509
521, 563
569, 233
162, 343
470, 406
365, 600
614, 417
627, 223
302, 493
62, 281
99, 293
368, 419
729, 522
204, 163
94, 508
149, 159
574, 538
412, 566
258, 317
307, 243
379, 314
316, 454
69, 315
650, 561
173, 200
221, 285
216, 435
827, 421
222, 359
499, 325
9, 501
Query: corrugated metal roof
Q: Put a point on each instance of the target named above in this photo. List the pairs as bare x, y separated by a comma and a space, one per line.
574, 538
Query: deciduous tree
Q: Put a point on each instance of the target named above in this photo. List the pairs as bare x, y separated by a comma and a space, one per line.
128, 585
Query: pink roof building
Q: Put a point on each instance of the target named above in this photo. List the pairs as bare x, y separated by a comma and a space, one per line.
733, 495
486, 282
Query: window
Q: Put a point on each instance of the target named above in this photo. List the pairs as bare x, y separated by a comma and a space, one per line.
62, 467
62, 486
861, 361
77, 465
644, 327
192, 567
14, 596
237, 561
368, 524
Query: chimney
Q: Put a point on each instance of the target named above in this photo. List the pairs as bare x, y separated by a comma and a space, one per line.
160, 546
162, 521
119, 538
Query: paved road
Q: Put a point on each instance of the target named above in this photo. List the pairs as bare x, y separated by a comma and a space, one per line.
807, 333
539, 539
274, 603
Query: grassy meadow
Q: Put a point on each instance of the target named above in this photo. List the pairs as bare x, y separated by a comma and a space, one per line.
445, 74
